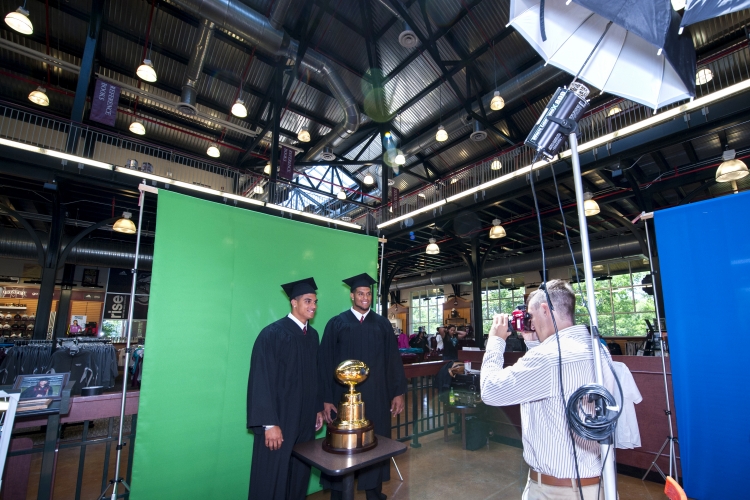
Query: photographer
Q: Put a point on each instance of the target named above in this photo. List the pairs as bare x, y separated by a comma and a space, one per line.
534, 383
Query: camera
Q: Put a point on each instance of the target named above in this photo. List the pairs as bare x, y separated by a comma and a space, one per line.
520, 320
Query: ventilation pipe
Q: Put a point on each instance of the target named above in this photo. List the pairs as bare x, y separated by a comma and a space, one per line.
189, 96
616, 247
479, 134
17, 244
255, 29
527, 82
278, 13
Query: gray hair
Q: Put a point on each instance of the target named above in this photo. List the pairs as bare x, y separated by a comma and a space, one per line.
560, 294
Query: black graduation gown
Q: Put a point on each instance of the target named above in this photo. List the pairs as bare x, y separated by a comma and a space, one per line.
374, 343
282, 390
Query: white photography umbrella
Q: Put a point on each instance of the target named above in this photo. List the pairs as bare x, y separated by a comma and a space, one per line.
624, 63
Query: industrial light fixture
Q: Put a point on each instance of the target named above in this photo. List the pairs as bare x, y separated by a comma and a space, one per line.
454, 180
341, 195
432, 248
213, 150
137, 127
369, 180
124, 225
614, 110
267, 169
400, 158
703, 76
497, 103
258, 189
422, 195
441, 135
590, 206
598, 267
731, 169
303, 135
238, 109
146, 71
678, 5
497, 230
18, 20
39, 96
496, 165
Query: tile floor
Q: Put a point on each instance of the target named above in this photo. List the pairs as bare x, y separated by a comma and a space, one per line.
442, 470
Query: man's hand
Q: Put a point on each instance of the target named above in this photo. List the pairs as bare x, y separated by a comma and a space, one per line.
530, 336
327, 409
397, 405
274, 438
318, 421
499, 326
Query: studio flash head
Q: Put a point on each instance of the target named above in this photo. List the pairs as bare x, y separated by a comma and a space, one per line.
558, 119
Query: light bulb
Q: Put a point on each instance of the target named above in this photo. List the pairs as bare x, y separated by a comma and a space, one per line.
590, 206
304, 135
400, 158
238, 109
496, 165
258, 189
213, 150
146, 71
497, 103
137, 127
369, 180
267, 169
341, 195
441, 135
497, 231
124, 225
432, 248
39, 96
19, 21
703, 76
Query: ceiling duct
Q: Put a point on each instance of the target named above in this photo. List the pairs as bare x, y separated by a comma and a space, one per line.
189, 97
327, 154
616, 247
257, 30
278, 13
407, 38
479, 134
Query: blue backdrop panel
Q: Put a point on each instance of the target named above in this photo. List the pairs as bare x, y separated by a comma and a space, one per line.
704, 251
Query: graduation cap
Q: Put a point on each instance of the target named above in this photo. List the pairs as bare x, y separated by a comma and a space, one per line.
359, 280
301, 287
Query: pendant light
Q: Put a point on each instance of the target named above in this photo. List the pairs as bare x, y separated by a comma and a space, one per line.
496, 165
267, 169
497, 103
238, 109
731, 169
341, 195
213, 150
441, 135
400, 158
303, 135
39, 96
590, 206
703, 76
369, 180
146, 71
497, 230
19, 21
432, 248
258, 189
137, 127
124, 225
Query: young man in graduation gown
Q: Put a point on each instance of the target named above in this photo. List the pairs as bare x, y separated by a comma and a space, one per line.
359, 333
282, 404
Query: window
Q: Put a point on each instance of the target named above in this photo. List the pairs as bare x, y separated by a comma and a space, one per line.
622, 305
426, 310
321, 178
496, 298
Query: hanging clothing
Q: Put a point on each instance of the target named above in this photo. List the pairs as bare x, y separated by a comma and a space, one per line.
627, 435
373, 343
77, 362
282, 391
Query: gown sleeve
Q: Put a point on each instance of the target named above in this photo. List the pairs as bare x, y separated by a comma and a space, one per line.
327, 362
394, 365
261, 387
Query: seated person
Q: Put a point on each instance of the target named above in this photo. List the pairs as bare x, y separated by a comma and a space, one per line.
420, 342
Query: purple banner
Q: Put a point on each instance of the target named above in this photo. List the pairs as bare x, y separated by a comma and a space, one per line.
286, 163
104, 103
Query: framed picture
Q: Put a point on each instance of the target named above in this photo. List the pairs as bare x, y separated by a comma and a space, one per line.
90, 277
47, 386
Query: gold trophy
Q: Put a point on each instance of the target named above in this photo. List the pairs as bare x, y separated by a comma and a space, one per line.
351, 432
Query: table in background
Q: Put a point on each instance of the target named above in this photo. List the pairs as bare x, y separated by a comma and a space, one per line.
462, 410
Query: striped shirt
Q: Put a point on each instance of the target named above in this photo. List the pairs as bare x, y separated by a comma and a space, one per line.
534, 383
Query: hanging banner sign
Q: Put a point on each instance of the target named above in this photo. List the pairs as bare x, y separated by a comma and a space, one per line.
116, 306
286, 163
104, 103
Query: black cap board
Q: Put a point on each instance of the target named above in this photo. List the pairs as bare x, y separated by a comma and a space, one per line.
359, 280
301, 287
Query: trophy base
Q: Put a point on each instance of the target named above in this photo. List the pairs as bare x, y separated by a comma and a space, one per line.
350, 441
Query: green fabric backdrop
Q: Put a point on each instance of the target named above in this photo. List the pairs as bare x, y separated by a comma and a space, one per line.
215, 285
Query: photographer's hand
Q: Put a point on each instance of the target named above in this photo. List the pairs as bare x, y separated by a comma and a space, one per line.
499, 326
530, 336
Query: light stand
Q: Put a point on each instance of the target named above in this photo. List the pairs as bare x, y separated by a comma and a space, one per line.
119, 480
671, 440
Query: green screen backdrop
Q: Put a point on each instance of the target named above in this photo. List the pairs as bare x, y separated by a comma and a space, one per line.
215, 285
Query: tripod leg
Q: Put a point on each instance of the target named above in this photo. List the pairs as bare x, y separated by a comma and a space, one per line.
655, 465
398, 471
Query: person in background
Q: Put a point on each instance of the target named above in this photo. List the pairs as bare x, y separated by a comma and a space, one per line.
282, 405
439, 338
450, 343
420, 342
534, 384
